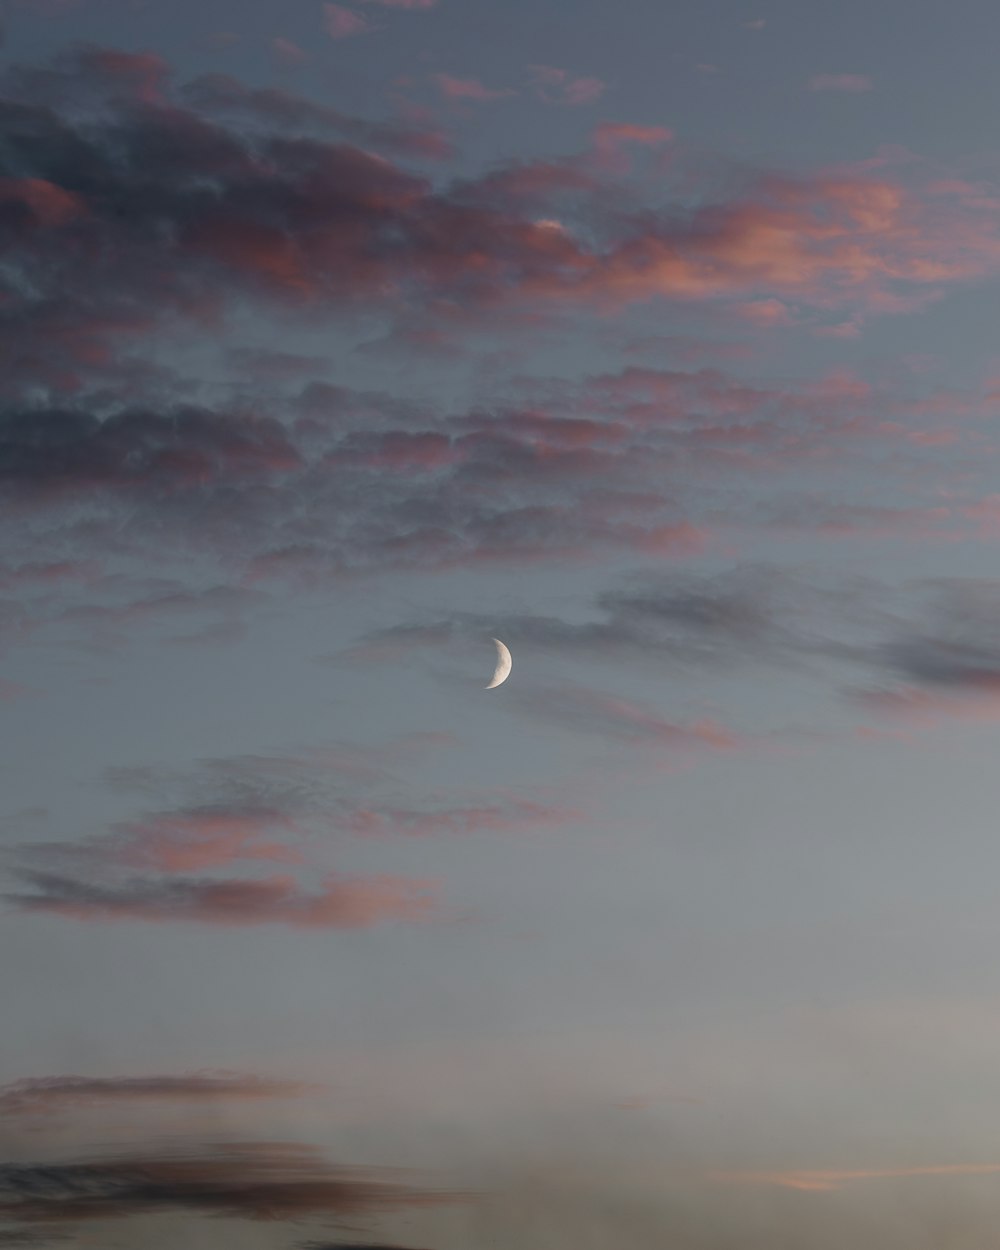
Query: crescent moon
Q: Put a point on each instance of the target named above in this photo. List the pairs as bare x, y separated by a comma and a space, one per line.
504, 663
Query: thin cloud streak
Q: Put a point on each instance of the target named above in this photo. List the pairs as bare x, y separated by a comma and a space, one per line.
339, 903
825, 1179
35, 1095
250, 1181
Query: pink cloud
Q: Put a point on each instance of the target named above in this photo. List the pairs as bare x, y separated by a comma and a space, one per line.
288, 52
50, 205
611, 138
468, 89
985, 513
584, 90
840, 82
341, 23
924, 709
765, 312
190, 841
829, 240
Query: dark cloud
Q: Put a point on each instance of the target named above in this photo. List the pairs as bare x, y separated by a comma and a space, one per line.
50, 451
33, 1237
350, 1245
223, 96
127, 201
40, 1094
956, 644
252, 1181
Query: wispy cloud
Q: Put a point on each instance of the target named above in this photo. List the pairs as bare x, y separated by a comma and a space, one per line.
343, 23
469, 89
242, 813
288, 52
59, 1093
250, 1181
339, 902
832, 1178
608, 715
559, 86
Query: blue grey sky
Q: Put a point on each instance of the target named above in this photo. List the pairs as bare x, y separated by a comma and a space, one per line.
658, 341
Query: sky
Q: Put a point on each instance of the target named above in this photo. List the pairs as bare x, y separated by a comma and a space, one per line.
658, 341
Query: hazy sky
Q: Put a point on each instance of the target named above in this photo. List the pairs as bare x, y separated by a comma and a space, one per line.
658, 340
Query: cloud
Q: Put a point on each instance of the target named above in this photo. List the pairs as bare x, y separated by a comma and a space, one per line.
507, 817
747, 614
405, 4
34, 1237
322, 224
57, 1093
50, 451
342, 23
288, 52
352, 1245
610, 716
339, 903
840, 82
611, 141
271, 109
559, 86
249, 1181
925, 651
314, 215
922, 709
831, 1178
196, 838
468, 89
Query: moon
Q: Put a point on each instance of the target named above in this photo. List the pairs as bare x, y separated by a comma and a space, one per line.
503, 667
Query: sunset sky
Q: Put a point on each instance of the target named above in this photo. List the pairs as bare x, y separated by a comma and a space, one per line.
658, 340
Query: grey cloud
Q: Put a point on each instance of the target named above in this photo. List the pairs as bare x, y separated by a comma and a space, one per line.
337, 903
943, 633
254, 1181
37, 1094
